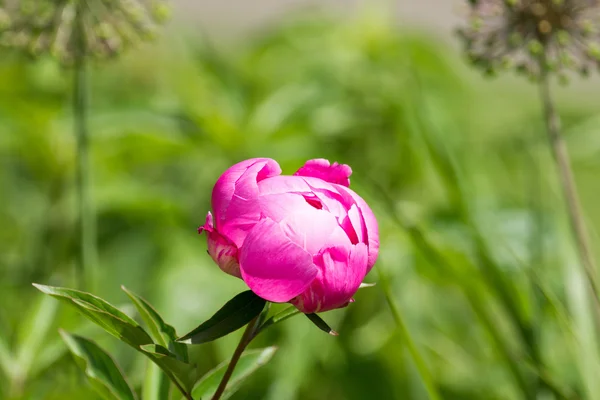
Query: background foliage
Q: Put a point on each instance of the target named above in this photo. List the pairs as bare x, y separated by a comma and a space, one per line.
474, 241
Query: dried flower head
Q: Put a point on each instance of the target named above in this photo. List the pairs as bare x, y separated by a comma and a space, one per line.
558, 35
99, 28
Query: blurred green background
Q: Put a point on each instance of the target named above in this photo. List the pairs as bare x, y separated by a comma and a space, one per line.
474, 240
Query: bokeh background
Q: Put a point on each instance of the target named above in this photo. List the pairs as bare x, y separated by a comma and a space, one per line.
474, 241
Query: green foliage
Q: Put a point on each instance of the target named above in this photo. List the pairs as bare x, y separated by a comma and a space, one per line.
111, 319
163, 333
156, 383
235, 314
474, 245
321, 324
118, 324
102, 371
249, 362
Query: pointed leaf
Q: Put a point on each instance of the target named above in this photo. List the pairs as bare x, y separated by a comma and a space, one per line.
34, 332
103, 314
249, 362
185, 374
322, 325
236, 313
101, 370
124, 328
163, 333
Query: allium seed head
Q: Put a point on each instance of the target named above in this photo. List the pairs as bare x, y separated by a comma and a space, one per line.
526, 35
58, 27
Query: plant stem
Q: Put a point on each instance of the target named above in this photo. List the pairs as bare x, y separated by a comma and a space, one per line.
86, 227
563, 164
246, 338
407, 339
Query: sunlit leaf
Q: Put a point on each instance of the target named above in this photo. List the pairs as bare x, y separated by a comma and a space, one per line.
102, 371
103, 314
124, 328
163, 333
34, 332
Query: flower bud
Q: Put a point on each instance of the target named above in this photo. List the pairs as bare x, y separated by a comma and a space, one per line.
306, 239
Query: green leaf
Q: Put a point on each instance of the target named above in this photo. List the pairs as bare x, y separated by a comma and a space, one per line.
185, 373
322, 325
126, 329
236, 313
249, 362
163, 333
101, 370
6, 358
103, 314
33, 334
156, 383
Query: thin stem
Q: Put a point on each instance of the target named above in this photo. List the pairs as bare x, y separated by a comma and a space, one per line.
407, 339
563, 164
246, 338
87, 226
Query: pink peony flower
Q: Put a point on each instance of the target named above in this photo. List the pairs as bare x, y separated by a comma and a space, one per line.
306, 239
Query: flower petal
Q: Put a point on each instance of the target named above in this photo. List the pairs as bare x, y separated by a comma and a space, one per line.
371, 228
341, 270
222, 250
322, 169
314, 229
283, 184
273, 266
279, 206
235, 197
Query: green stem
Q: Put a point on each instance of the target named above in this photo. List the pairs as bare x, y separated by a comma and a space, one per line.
569, 188
87, 226
407, 339
246, 338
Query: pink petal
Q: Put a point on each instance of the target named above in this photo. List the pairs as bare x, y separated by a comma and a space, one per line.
322, 169
353, 225
283, 184
333, 197
341, 270
371, 228
279, 206
314, 229
235, 196
272, 265
222, 250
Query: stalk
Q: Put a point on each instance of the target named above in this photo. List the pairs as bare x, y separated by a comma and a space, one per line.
86, 221
245, 340
567, 181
